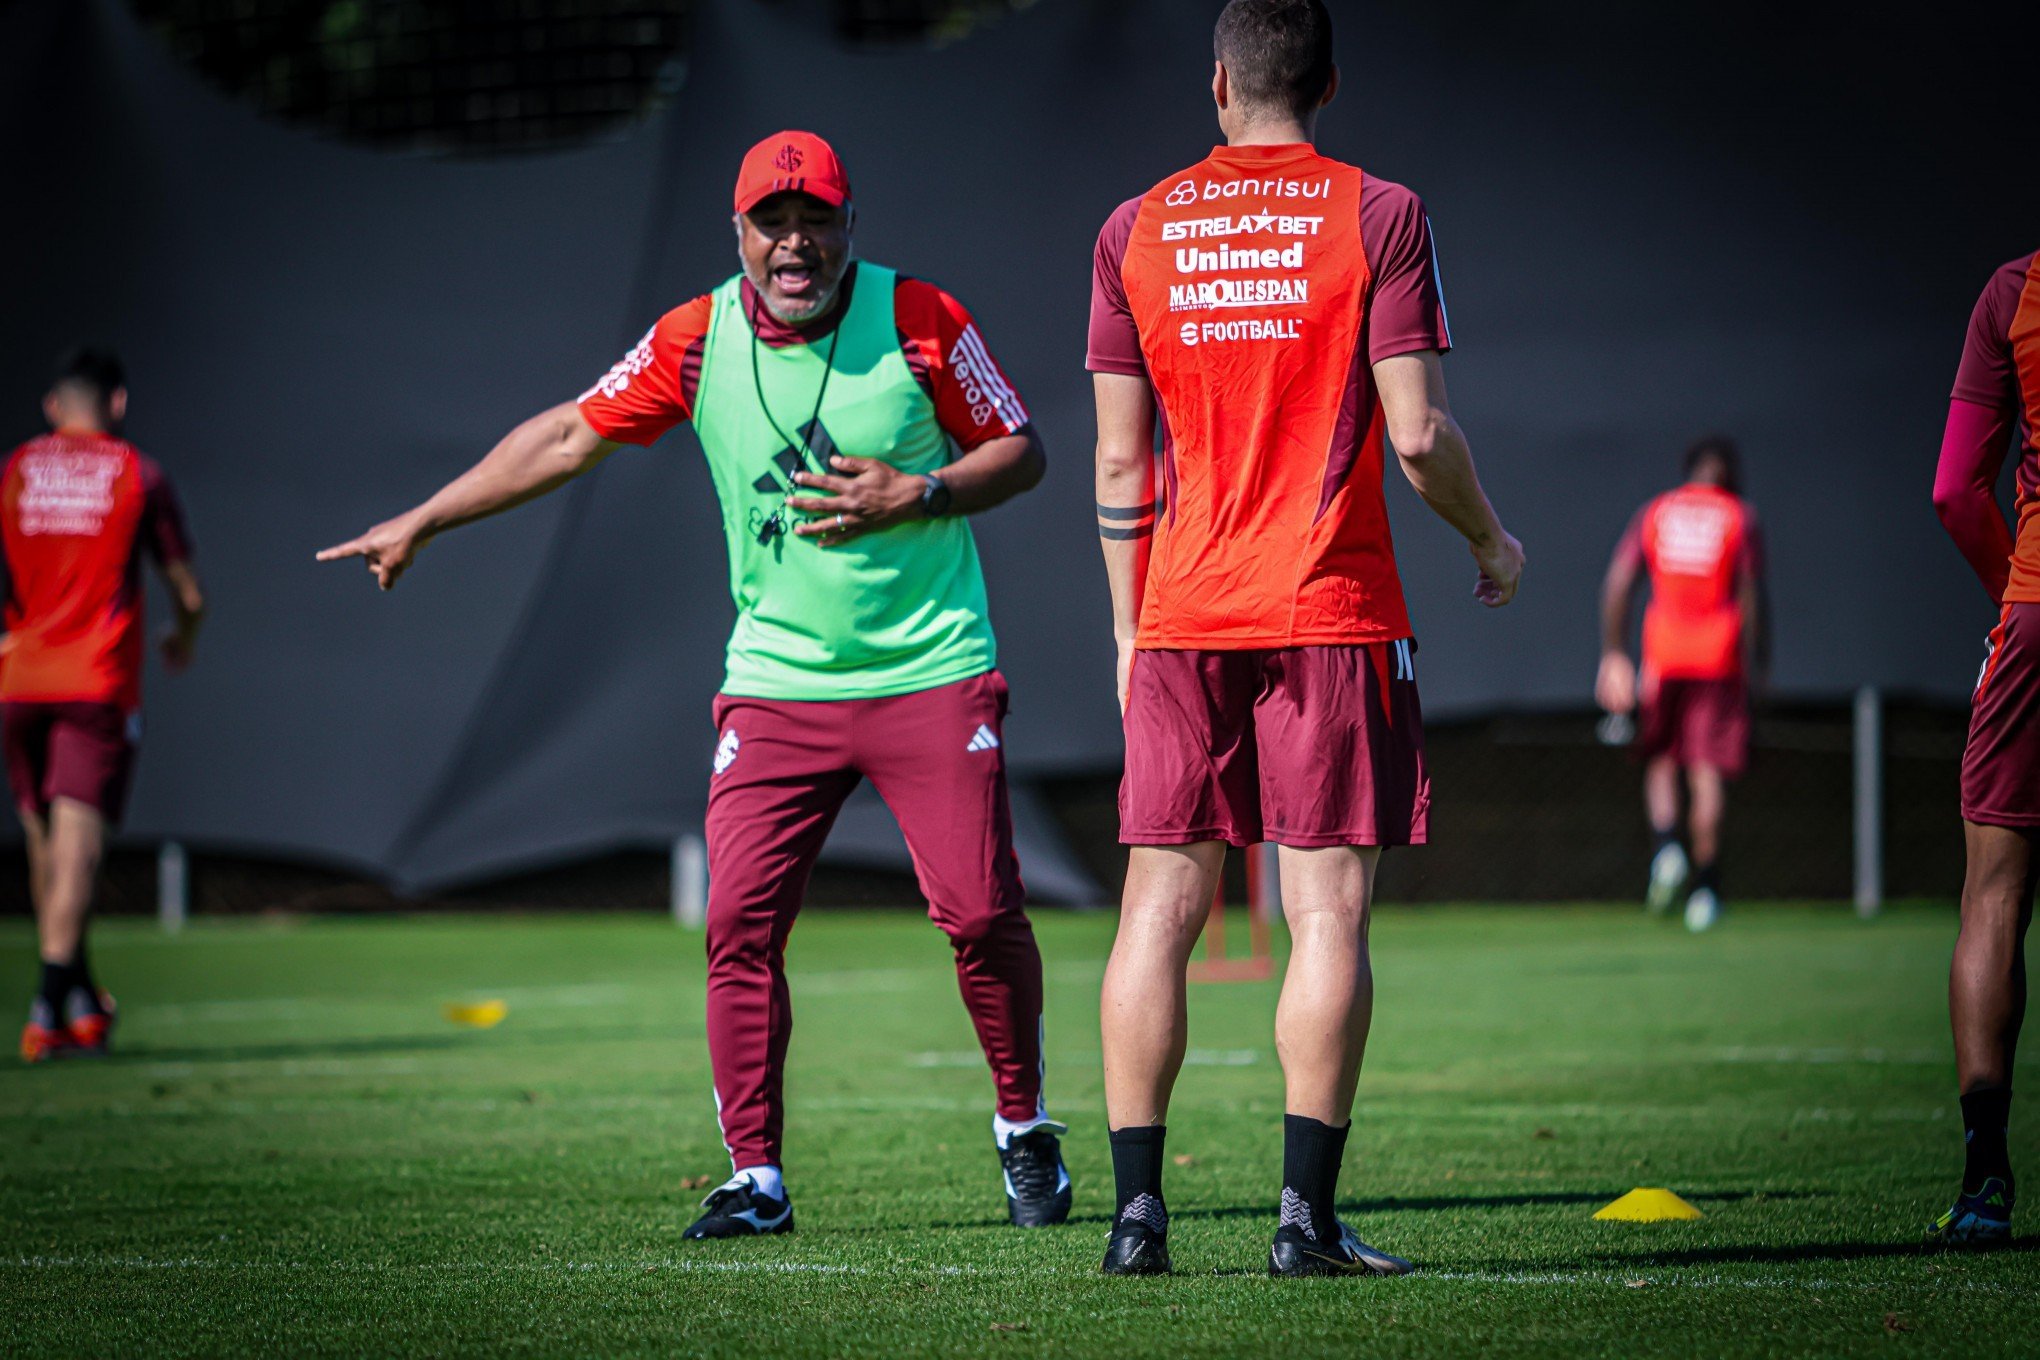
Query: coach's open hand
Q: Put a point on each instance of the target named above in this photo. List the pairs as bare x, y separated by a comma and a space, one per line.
870, 495
388, 548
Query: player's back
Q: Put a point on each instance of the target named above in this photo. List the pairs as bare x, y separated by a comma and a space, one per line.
1248, 280
1696, 540
71, 513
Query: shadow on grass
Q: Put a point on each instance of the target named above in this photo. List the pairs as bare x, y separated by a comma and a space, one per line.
1393, 1204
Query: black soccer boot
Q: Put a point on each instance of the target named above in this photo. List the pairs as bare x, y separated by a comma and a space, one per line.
737, 1209
1139, 1244
1037, 1182
1297, 1253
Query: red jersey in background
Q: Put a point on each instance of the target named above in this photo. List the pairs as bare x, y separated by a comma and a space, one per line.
76, 513
1699, 544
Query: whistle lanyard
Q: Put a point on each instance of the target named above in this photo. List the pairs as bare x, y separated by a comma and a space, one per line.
775, 525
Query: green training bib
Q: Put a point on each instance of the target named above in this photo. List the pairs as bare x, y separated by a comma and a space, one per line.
890, 612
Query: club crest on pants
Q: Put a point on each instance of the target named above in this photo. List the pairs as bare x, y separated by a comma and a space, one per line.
726, 751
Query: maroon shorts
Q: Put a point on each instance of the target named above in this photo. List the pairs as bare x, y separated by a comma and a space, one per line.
1303, 746
2001, 764
84, 752
1697, 722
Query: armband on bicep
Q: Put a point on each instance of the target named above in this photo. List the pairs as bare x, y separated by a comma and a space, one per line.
1126, 521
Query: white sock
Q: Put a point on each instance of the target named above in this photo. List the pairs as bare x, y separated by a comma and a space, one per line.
1004, 1129
764, 1179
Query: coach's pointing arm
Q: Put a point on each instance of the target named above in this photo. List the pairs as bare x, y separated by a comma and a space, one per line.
1434, 456
546, 451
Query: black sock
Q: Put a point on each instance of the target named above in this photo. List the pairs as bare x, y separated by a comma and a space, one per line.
1707, 876
1137, 1172
1985, 1117
55, 986
1660, 839
1311, 1153
83, 987
81, 970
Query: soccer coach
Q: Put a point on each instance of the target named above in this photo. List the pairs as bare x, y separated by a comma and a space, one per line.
852, 418
1282, 309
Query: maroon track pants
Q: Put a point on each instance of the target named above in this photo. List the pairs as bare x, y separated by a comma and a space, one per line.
782, 771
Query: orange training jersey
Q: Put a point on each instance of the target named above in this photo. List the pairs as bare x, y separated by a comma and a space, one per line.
76, 510
1698, 543
2025, 345
1249, 282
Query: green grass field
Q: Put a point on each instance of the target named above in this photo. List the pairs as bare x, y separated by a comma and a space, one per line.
293, 1153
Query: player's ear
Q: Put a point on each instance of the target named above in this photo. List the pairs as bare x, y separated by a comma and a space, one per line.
1331, 87
116, 405
1221, 85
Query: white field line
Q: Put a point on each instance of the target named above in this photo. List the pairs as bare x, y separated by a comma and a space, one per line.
1196, 1057
1518, 1279
1811, 1057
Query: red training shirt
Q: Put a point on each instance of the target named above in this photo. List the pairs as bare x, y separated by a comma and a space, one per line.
1699, 543
1999, 375
1253, 291
76, 513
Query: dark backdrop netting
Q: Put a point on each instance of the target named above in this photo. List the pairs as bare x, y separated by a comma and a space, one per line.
1645, 231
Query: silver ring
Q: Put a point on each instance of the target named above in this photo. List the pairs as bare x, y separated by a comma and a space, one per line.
839, 521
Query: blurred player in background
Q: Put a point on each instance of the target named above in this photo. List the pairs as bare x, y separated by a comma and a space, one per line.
1997, 392
79, 508
1282, 309
828, 395
1705, 646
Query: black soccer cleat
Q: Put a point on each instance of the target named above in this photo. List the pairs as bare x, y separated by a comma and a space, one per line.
1037, 1182
1977, 1222
1139, 1244
737, 1209
1297, 1254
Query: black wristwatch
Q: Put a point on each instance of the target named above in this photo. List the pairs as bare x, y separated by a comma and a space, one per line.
934, 496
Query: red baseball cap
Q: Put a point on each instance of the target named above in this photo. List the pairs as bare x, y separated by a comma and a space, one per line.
799, 162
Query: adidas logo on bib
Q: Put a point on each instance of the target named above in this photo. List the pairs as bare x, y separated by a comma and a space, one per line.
985, 740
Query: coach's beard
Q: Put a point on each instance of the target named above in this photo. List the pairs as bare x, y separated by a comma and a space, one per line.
808, 309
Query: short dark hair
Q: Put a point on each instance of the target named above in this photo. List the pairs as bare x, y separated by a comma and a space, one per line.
1721, 447
92, 367
1278, 53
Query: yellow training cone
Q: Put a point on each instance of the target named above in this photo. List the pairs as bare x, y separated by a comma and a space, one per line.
1647, 1206
478, 1014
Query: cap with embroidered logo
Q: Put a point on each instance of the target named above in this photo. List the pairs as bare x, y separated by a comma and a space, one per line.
795, 162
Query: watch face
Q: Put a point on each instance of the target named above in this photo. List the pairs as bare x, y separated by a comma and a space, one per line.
935, 500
